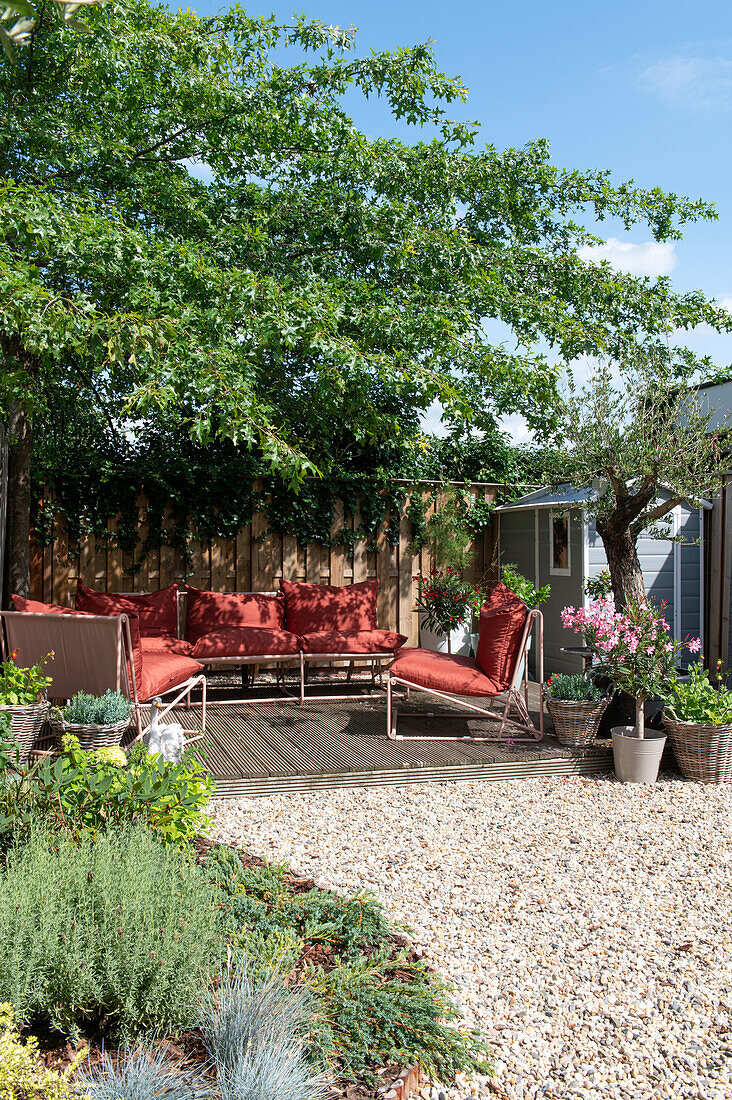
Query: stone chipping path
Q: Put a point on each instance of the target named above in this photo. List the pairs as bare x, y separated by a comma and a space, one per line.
587, 924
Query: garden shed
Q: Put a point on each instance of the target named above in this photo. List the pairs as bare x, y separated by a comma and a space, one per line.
552, 540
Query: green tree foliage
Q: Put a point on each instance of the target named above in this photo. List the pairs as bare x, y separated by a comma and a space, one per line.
323, 284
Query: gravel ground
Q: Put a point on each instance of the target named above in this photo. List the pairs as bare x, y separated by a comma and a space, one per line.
587, 924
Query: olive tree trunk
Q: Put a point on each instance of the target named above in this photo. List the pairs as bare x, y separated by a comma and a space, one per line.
623, 563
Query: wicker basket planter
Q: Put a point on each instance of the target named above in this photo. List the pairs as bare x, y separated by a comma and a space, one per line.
26, 722
704, 753
90, 737
576, 723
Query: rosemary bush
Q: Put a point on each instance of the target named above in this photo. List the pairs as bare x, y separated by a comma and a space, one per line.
573, 689
114, 933
97, 710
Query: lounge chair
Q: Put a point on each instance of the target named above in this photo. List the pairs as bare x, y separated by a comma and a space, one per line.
500, 669
96, 653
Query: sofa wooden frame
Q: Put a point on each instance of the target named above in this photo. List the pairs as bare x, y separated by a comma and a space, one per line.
516, 696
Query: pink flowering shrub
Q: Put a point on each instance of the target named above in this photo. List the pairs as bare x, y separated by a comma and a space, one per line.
634, 647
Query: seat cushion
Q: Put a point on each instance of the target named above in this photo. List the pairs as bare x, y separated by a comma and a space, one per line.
35, 607
356, 641
212, 611
250, 641
443, 672
158, 611
327, 608
165, 644
501, 627
162, 671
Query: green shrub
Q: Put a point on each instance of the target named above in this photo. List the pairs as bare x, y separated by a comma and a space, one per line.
97, 710
373, 1003
525, 589
114, 933
22, 1073
89, 791
699, 700
573, 689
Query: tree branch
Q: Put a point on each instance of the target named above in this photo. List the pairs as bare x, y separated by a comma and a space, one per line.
658, 512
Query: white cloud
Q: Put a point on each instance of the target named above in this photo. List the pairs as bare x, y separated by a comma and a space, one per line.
648, 258
516, 429
699, 83
431, 422
725, 302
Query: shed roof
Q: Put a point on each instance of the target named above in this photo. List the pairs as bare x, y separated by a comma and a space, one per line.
560, 496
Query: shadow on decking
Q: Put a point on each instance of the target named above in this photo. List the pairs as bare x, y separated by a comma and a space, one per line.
282, 746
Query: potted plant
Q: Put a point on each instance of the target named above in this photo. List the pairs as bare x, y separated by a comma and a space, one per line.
634, 649
698, 719
576, 705
23, 700
446, 605
97, 721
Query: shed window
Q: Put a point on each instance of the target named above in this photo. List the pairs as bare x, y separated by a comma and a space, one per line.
560, 553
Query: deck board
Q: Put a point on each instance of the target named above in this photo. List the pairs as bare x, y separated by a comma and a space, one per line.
271, 748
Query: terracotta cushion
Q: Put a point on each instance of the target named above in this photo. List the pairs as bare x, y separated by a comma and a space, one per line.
502, 621
250, 641
158, 611
443, 672
166, 644
163, 671
356, 641
36, 607
212, 611
325, 608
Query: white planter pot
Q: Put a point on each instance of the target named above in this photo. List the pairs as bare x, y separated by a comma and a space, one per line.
637, 759
459, 639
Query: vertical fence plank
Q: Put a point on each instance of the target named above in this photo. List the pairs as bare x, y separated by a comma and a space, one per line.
88, 560
244, 559
167, 551
408, 565
289, 558
218, 565
114, 557
36, 569
337, 550
360, 565
61, 562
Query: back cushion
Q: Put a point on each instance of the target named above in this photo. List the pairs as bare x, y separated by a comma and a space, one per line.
38, 608
502, 620
158, 611
318, 608
210, 611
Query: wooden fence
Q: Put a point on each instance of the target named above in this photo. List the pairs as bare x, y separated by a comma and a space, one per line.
252, 562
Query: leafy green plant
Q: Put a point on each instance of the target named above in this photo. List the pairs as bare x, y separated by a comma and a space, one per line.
577, 688
22, 1073
447, 600
698, 699
600, 586
22, 686
523, 587
114, 933
97, 710
84, 792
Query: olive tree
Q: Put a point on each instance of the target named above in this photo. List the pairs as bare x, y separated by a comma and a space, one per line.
639, 437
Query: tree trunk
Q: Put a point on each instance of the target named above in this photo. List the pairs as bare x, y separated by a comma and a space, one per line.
17, 545
622, 561
640, 717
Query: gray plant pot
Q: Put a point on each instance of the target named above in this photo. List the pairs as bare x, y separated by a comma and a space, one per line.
637, 759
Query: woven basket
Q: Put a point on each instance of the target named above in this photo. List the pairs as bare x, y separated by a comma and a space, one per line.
576, 723
704, 753
26, 722
90, 737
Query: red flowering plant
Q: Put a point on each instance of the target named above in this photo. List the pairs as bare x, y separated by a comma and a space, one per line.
23, 686
633, 647
446, 600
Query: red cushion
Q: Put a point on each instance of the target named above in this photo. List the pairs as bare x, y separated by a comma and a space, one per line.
157, 610
321, 608
166, 644
35, 607
443, 672
356, 641
502, 621
210, 611
162, 671
251, 641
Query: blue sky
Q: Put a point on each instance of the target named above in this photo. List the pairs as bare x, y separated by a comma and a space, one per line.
643, 88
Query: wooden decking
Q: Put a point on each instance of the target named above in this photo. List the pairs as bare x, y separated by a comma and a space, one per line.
271, 748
